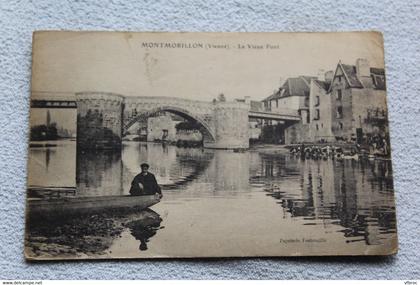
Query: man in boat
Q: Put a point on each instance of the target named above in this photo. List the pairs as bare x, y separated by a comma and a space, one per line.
145, 183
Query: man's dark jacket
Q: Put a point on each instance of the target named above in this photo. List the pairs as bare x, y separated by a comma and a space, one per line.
150, 185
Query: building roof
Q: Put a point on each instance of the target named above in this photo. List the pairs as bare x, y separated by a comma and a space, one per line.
354, 82
351, 75
323, 84
275, 95
378, 71
293, 86
298, 86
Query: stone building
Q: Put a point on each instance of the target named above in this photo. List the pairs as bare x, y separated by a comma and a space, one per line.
347, 104
358, 101
293, 95
320, 121
162, 127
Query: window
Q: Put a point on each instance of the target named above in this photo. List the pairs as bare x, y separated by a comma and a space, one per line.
316, 100
339, 78
316, 115
317, 127
277, 103
340, 125
339, 112
339, 95
373, 79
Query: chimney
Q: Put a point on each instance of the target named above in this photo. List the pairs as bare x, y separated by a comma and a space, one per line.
329, 76
321, 75
362, 68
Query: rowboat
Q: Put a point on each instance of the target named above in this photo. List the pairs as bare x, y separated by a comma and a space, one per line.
87, 205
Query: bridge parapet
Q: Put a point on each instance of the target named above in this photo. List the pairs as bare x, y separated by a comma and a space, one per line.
146, 102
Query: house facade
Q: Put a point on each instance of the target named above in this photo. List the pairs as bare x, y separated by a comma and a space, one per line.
346, 104
292, 95
320, 125
358, 101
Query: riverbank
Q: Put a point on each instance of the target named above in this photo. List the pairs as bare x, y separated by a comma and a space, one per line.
269, 148
85, 236
337, 150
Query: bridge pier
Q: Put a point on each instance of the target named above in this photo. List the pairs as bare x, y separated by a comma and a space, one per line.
99, 120
230, 121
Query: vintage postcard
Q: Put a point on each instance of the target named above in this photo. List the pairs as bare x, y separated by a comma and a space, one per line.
161, 145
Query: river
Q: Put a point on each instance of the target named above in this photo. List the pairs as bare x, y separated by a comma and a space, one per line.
225, 203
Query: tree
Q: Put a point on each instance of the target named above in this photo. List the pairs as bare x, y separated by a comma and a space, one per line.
188, 126
221, 97
44, 132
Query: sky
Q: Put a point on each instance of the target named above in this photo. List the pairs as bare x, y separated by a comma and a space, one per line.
64, 118
69, 62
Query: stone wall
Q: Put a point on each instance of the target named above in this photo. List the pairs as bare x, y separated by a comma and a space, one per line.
99, 123
254, 129
297, 133
369, 103
341, 126
231, 126
320, 126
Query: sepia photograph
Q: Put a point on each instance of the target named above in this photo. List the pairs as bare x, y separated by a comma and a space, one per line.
191, 145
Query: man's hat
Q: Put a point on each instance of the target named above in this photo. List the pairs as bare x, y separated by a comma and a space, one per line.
144, 165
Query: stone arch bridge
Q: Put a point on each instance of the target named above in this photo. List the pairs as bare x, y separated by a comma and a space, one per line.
103, 118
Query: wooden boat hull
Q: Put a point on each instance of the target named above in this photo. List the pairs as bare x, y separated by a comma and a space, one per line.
83, 205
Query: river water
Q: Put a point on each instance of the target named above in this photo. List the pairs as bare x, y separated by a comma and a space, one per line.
223, 203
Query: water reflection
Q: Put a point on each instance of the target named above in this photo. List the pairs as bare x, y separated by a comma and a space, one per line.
99, 173
357, 195
144, 228
250, 195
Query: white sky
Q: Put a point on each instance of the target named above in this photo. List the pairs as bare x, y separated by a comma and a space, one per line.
117, 62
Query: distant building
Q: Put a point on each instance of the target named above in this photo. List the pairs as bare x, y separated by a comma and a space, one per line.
347, 104
292, 95
161, 127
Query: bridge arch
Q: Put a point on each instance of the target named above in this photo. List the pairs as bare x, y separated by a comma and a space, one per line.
103, 118
205, 129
